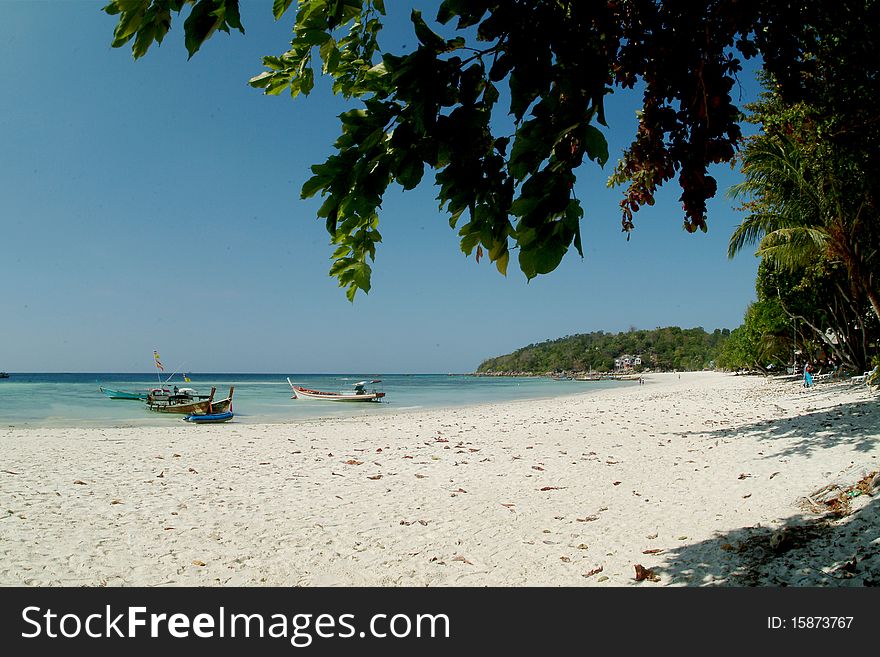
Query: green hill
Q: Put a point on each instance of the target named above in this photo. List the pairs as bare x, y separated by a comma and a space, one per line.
661, 348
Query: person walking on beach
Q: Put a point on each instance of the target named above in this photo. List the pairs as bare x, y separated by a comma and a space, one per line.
835, 369
808, 378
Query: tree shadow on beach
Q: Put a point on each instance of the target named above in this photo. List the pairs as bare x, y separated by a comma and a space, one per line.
806, 550
855, 424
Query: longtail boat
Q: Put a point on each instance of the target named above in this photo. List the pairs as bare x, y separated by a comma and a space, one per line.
185, 401
359, 394
122, 394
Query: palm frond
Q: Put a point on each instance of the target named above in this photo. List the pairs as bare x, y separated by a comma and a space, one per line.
751, 231
794, 248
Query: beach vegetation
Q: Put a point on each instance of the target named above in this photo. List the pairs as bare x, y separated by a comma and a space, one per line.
504, 102
762, 342
828, 317
661, 349
810, 190
810, 194
802, 315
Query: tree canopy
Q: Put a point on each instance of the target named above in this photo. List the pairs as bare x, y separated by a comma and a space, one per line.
661, 348
811, 197
555, 60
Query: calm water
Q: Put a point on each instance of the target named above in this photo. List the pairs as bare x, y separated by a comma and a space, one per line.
68, 400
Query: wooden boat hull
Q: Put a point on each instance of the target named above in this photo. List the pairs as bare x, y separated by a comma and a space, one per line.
187, 405
122, 394
306, 393
165, 406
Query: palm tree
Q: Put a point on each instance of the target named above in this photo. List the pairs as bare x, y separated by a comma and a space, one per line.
803, 207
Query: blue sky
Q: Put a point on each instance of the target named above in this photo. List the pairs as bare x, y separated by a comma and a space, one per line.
155, 205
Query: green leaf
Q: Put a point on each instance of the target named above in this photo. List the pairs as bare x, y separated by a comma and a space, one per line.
313, 185
326, 49
424, 34
341, 265
232, 15
523, 205
199, 25
526, 154
595, 144
446, 12
543, 258
306, 82
361, 273
455, 43
490, 94
501, 262
130, 22
470, 237
500, 144
311, 37
154, 28
113, 8
411, 172
279, 7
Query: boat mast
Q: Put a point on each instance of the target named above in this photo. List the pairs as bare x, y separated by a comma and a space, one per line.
172, 375
159, 367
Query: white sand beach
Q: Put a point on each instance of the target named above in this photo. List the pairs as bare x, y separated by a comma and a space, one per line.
700, 478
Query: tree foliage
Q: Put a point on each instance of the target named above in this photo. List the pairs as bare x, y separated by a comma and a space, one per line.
662, 348
762, 342
811, 194
810, 177
829, 318
808, 203
555, 60
803, 314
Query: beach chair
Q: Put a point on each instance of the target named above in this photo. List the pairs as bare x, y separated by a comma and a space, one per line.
863, 378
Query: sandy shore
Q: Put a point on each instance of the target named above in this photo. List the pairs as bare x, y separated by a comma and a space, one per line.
700, 479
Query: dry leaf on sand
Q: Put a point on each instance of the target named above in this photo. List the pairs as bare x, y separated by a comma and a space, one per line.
643, 573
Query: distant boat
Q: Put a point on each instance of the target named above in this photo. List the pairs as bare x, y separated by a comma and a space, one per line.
359, 394
210, 418
187, 402
4, 375
123, 394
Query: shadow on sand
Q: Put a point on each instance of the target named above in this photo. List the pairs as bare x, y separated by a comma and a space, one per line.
855, 424
806, 550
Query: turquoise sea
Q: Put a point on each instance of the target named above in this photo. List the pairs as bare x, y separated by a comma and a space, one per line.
73, 400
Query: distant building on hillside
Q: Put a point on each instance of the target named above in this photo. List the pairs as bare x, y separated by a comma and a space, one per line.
627, 362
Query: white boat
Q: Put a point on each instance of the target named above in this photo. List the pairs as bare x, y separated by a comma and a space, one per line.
359, 394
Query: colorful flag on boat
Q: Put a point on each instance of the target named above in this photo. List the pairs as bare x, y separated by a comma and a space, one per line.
186, 378
159, 365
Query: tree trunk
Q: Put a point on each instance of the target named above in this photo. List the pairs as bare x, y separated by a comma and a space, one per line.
874, 299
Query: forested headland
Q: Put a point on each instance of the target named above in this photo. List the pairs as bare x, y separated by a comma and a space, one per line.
664, 349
